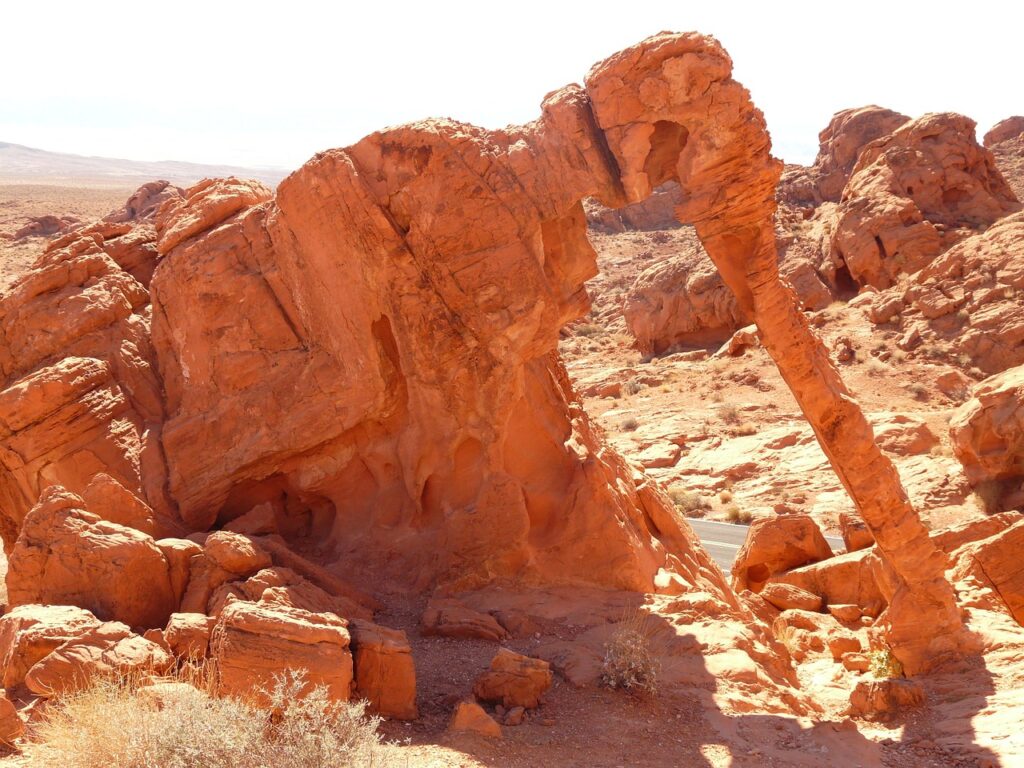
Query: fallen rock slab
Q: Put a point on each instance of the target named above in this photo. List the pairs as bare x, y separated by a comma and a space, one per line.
385, 674
470, 717
514, 680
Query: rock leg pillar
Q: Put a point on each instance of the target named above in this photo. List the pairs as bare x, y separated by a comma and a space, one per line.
922, 623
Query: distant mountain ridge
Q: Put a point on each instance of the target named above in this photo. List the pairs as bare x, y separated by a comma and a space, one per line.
29, 165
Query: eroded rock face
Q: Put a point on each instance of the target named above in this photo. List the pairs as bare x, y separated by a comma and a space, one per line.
987, 433
839, 148
78, 391
110, 650
967, 298
66, 555
913, 194
994, 564
1004, 130
372, 352
253, 642
777, 544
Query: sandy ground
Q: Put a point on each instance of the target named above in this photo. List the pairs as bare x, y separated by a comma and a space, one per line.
20, 202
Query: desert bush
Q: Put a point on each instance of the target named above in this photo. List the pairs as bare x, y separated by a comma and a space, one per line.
111, 724
725, 496
745, 429
688, 502
587, 329
919, 391
628, 661
632, 387
629, 425
729, 414
884, 664
736, 515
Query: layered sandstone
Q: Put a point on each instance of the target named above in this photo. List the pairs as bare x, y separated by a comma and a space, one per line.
913, 194
371, 353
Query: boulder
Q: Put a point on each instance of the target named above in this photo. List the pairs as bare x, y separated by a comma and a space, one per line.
995, 563
449, 618
11, 724
786, 596
514, 680
106, 497
841, 142
253, 642
235, 553
187, 635
871, 698
847, 579
384, 671
987, 433
776, 544
110, 650
470, 717
1004, 130
66, 555
855, 532
914, 193
28, 633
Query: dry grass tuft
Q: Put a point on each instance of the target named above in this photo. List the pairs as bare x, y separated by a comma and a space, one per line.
113, 724
688, 502
884, 665
628, 662
629, 425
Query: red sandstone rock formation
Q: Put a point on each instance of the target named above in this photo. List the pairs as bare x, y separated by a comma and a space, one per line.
967, 299
839, 147
372, 353
987, 433
913, 194
1004, 130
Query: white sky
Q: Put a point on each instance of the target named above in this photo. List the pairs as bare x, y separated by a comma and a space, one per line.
254, 83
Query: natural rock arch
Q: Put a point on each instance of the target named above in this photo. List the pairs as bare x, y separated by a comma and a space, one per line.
372, 349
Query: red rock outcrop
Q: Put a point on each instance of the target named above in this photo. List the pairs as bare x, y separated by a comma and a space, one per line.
253, 642
65, 555
110, 650
1004, 130
995, 564
913, 194
514, 680
385, 674
372, 352
839, 146
987, 433
28, 633
777, 544
966, 300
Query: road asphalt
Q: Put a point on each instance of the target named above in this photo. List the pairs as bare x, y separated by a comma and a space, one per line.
723, 540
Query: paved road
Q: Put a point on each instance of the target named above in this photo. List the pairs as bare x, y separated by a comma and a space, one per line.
723, 540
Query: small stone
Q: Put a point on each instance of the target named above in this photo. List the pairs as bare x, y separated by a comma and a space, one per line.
470, 717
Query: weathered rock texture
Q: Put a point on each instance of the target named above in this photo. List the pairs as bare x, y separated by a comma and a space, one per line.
720, 156
372, 352
967, 299
914, 193
987, 433
839, 146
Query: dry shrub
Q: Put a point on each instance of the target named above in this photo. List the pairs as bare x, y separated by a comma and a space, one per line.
730, 414
630, 425
588, 330
111, 724
884, 665
736, 515
745, 429
688, 502
628, 662
633, 386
